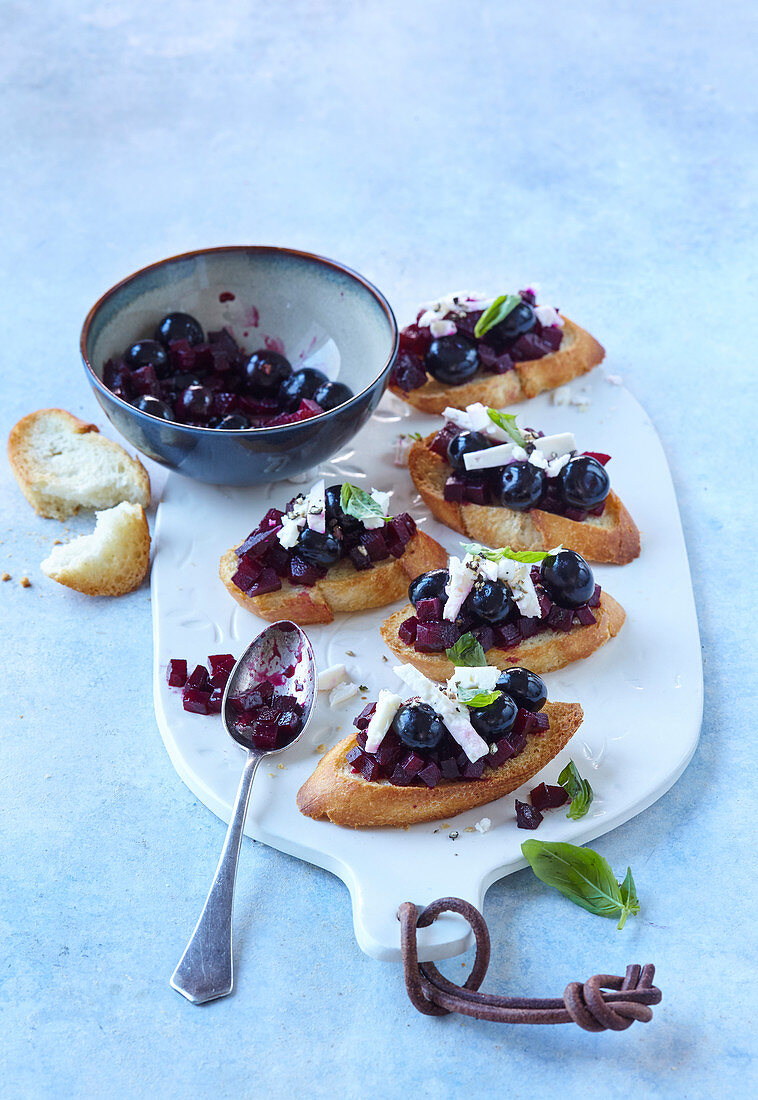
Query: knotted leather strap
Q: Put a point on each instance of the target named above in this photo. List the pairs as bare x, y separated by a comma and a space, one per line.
604, 1003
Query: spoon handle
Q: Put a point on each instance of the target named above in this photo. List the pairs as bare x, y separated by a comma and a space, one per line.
206, 969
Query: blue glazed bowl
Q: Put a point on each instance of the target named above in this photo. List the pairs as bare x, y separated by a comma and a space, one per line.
324, 315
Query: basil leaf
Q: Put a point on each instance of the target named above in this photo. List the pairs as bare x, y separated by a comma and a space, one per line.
507, 421
578, 790
467, 652
581, 875
629, 898
472, 697
496, 313
528, 557
358, 503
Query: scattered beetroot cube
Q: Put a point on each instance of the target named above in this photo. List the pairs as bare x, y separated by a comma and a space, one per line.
375, 544
400, 778
473, 770
199, 678
265, 735
195, 700
434, 637
455, 488
429, 610
503, 751
546, 796
361, 739
476, 489
370, 769
267, 582
278, 559
257, 543
560, 618
507, 636
430, 775
145, 381
214, 703
407, 630
552, 336
594, 600
442, 439
221, 662
485, 635
390, 751
415, 340
359, 556
585, 615
523, 722
412, 763
247, 574
540, 722
527, 817
408, 372
518, 742
449, 768
303, 572
354, 756
176, 673
528, 626
363, 719
603, 459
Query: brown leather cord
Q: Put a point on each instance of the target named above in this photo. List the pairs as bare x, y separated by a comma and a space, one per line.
604, 1003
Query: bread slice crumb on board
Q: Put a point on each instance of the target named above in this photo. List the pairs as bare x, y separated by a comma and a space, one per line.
111, 561
336, 793
63, 464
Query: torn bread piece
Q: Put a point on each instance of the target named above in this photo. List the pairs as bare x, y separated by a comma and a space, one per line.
111, 561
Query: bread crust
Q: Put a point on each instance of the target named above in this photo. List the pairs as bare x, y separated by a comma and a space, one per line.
545, 652
343, 589
579, 353
36, 474
336, 793
612, 537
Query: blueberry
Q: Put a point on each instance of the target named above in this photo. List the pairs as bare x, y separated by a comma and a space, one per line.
418, 725
334, 514
567, 578
266, 370
148, 353
179, 326
194, 403
321, 550
584, 483
429, 586
463, 444
152, 405
492, 601
496, 720
452, 359
300, 384
331, 394
526, 688
234, 422
518, 322
520, 486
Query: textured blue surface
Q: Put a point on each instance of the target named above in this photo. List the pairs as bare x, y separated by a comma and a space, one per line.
604, 149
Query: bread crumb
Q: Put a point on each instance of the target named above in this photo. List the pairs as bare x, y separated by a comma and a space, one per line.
469, 829
6, 576
281, 767
561, 395
57, 542
614, 379
321, 748
25, 582
272, 774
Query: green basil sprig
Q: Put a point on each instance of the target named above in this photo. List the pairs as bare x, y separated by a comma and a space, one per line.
472, 697
584, 877
467, 652
578, 790
528, 557
507, 421
496, 313
358, 503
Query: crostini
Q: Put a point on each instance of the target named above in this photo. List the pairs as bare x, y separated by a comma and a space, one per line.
541, 610
465, 348
499, 484
331, 550
445, 750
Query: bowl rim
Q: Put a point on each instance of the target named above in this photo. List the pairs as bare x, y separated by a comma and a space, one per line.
373, 290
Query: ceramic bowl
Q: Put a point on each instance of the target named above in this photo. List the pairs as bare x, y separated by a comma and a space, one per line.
322, 313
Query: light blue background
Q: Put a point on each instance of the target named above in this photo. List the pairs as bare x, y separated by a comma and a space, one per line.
606, 150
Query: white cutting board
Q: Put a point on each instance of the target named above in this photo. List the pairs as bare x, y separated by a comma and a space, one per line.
641, 693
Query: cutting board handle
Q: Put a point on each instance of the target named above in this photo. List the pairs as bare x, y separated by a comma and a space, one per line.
604, 1003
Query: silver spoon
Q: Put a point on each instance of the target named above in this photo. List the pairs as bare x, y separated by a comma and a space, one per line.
283, 655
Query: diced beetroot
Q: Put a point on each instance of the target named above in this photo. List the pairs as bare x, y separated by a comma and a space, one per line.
223, 403
527, 817
507, 636
412, 763
545, 604
214, 703
305, 410
518, 741
354, 755
534, 573
529, 625
485, 635
375, 544
455, 488
407, 630
552, 335
473, 771
390, 751
393, 542
198, 678
577, 514
195, 700
145, 381
476, 489
603, 459
415, 340
528, 347
434, 637
176, 673
529, 296
259, 696
359, 556
265, 735
360, 738
560, 618
523, 722
259, 406
370, 769
272, 518
267, 582
288, 724
404, 527
278, 559
594, 600
503, 751
408, 372
540, 722
116, 376
302, 572
597, 511
449, 768
430, 775
585, 615
224, 341
400, 777
442, 439
493, 362
182, 356
363, 719
221, 662
429, 610
546, 796
257, 543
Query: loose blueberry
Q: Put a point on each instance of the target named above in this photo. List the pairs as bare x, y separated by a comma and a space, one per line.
148, 353
331, 394
318, 549
179, 326
429, 586
452, 359
584, 483
496, 720
520, 486
418, 725
266, 370
301, 385
462, 444
194, 403
234, 422
525, 688
567, 578
152, 405
492, 601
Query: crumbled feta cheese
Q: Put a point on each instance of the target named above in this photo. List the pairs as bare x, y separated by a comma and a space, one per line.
330, 677
403, 445
459, 417
483, 826
553, 445
561, 396
489, 457
480, 417
342, 693
614, 379
518, 577
307, 509
316, 510
480, 678
289, 533
463, 573
381, 719
442, 328
582, 400
548, 316
454, 716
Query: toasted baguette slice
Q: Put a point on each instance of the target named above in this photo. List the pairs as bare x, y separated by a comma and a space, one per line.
63, 464
612, 537
343, 588
579, 353
335, 792
543, 653
111, 561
